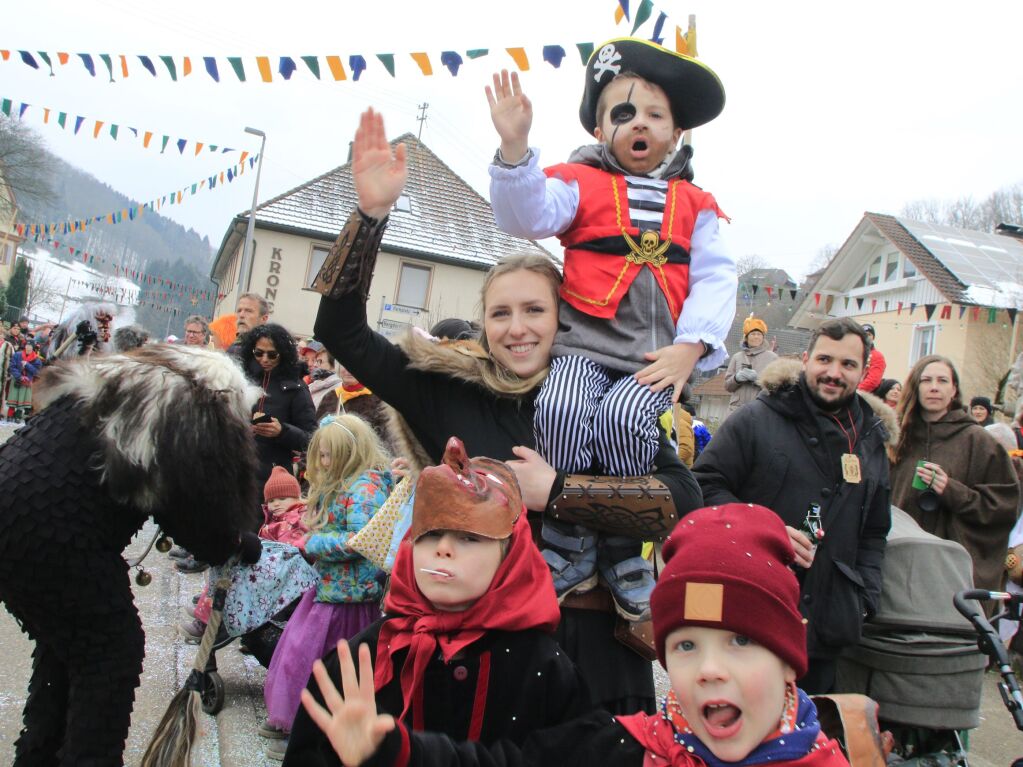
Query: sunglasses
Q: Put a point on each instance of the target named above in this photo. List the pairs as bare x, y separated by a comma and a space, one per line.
270, 355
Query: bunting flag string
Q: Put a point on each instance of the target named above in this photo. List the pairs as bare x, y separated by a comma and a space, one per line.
338, 67
58, 119
137, 276
174, 197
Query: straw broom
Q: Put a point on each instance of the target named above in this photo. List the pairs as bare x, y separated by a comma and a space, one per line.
174, 737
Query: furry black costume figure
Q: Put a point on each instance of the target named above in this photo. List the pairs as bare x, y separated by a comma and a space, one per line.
161, 432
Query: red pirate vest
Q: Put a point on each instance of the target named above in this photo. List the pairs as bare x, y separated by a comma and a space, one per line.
604, 251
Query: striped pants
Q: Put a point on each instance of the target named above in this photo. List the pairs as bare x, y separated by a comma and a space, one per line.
587, 413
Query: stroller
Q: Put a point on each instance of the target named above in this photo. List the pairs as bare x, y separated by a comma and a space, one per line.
918, 657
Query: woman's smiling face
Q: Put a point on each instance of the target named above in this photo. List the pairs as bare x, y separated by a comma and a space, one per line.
520, 320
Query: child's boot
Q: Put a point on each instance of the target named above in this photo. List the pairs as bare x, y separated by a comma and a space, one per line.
628, 575
571, 553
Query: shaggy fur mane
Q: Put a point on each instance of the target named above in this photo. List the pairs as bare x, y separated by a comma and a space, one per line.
784, 373
174, 440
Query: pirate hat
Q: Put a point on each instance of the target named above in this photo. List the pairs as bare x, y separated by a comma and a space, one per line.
695, 93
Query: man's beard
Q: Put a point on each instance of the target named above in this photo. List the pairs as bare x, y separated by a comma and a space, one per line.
833, 405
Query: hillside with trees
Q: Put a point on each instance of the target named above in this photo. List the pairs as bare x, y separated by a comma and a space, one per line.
49, 189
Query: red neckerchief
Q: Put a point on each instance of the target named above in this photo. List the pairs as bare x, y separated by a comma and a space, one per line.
656, 733
520, 597
28, 356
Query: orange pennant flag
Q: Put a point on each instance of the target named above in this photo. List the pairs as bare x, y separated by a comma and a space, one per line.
46, 115
244, 155
96, 130
423, 60
337, 69
124, 66
263, 62
62, 58
520, 58
619, 14
5, 55
179, 198
186, 69
221, 177
198, 147
147, 138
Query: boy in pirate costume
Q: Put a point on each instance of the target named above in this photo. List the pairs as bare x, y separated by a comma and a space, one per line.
649, 290
730, 635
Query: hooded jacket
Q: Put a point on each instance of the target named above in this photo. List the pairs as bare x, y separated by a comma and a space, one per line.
780, 451
978, 507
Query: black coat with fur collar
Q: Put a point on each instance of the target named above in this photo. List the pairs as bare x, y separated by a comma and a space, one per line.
782, 452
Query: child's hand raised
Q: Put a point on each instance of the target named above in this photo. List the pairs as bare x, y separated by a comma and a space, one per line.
512, 113
351, 723
379, 172
671, 366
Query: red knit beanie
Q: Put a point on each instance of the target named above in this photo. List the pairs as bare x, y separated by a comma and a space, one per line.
727, 567
282, 484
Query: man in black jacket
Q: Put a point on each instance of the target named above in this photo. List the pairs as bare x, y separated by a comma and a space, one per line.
810, 440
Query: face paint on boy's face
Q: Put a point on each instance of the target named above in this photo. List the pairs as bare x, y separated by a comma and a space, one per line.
639, 128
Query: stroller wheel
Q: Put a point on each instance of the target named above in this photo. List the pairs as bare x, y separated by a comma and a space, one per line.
212, 693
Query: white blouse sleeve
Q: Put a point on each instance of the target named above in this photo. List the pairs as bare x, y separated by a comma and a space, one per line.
528, 204
709, 308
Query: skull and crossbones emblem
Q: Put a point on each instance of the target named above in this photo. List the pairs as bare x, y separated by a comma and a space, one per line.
607, 61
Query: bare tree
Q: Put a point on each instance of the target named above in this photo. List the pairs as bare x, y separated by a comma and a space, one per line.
45, 290
1004, 206
748, 263
25, 165
823, 258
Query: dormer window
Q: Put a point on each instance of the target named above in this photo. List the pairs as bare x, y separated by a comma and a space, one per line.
403, 203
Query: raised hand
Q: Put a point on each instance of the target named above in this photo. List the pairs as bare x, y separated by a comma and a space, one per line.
379, 172
512, 113
351, 722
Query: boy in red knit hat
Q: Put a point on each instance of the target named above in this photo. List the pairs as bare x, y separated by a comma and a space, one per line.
729, 632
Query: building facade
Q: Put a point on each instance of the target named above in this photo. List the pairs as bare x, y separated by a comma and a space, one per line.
440, 241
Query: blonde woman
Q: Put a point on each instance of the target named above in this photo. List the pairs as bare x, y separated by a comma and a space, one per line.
348, 482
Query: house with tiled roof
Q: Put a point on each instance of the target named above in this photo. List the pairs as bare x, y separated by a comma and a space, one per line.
440, 241
927, 289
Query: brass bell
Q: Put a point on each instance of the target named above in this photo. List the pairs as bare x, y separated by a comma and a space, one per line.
163, 544
142, 578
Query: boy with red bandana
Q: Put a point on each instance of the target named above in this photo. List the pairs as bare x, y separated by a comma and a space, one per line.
649, 290
729, 632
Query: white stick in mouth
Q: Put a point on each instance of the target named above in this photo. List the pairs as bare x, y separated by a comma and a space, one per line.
435, 572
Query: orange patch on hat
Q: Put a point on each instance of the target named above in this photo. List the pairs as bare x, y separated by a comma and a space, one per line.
704, 602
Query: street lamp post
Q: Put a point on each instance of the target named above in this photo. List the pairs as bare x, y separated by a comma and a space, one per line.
243, 272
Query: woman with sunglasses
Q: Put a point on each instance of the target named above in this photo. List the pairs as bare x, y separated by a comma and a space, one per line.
283, 420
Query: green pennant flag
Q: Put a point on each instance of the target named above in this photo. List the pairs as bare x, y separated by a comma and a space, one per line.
213, 147
110, 65
992, 315
61, 119
5, 107
642, 14
387, 59
113, 131
585, 51
476, 53
314, 65
168, 61
165, 140
193, 188
236, 64
45, 57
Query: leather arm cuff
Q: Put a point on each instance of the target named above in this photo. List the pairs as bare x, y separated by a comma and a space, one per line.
637, 507
349, 265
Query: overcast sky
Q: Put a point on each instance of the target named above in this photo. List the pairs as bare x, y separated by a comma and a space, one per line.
832, 108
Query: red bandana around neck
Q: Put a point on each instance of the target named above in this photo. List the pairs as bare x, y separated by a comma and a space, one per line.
520, 597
